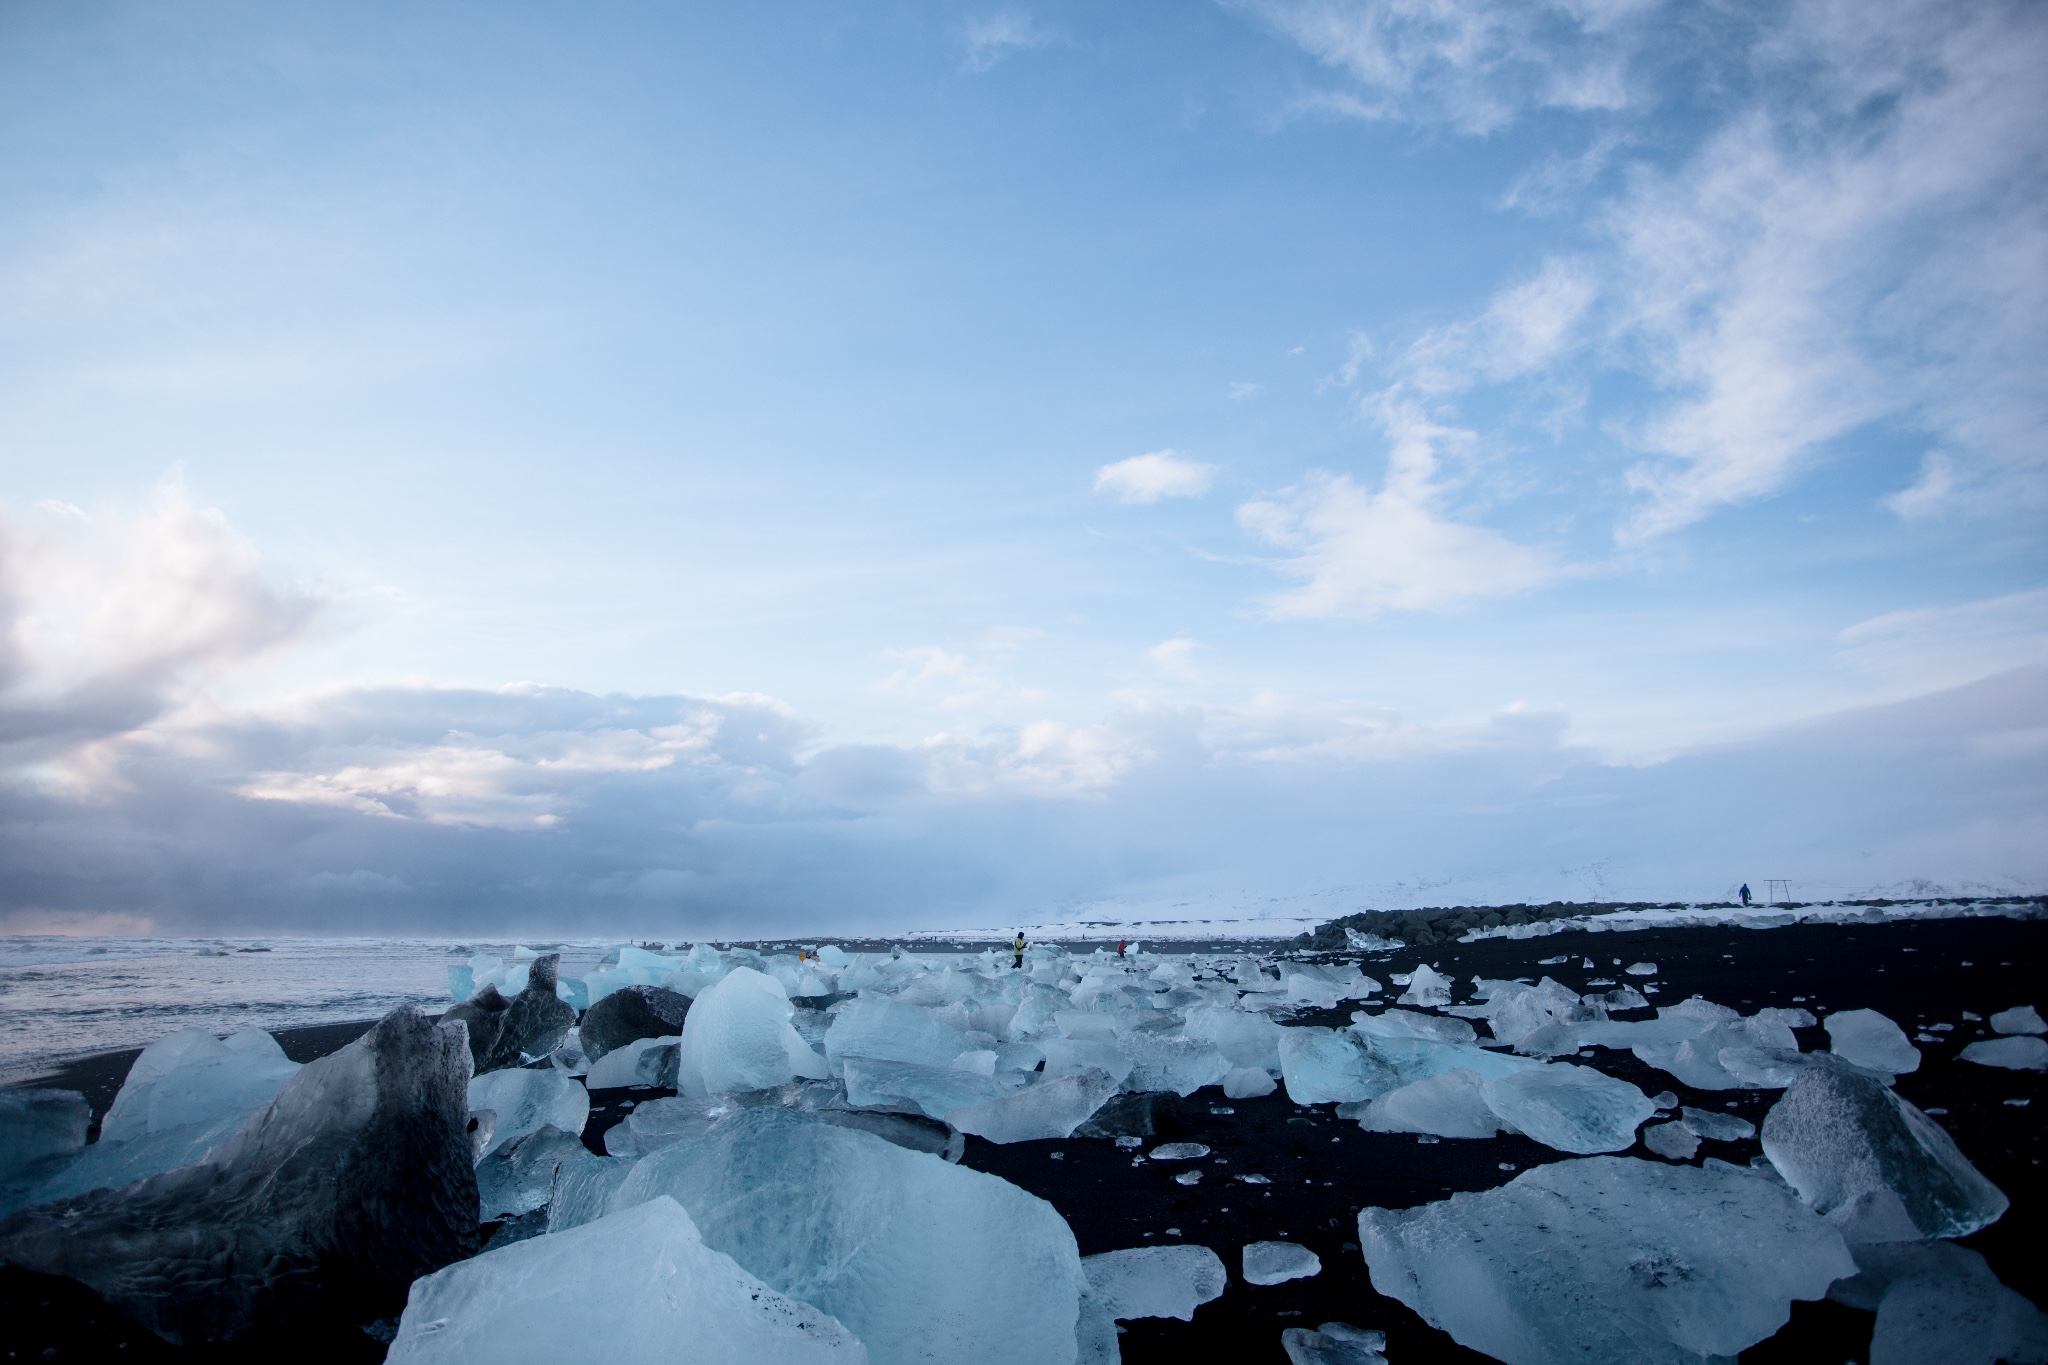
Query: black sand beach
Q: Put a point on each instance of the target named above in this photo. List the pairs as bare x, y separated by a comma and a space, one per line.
1322, 1170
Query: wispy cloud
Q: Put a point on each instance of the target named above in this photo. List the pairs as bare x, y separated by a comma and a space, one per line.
989, 41
1148, 478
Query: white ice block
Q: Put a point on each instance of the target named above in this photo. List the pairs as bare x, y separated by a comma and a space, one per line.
527, 1098
1155, 1282
1268, 1263
738, 1037
637, 1288
1570, 1108
1868, 1039
1049, 1109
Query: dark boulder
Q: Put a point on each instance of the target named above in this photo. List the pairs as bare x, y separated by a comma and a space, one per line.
629, 1014
353, 1182
534, 1024
483, 1014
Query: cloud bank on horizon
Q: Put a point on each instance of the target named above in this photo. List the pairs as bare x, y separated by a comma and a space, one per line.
1011, 462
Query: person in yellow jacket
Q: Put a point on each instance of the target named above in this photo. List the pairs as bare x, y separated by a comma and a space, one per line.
1018, 949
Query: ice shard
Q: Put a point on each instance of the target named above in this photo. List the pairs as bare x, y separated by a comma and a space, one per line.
1155, 1282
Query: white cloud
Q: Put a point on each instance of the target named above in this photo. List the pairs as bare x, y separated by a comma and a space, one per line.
1361, 552
988, 41
1148, 478
1930, 647
1476, 64
1525, 329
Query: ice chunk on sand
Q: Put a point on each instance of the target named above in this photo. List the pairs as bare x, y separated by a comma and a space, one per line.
1607, 1261
636, 1288
520, 1178
1408, 1024
924, 1261
2018, 1019
738, 1037
1936, 1301
1426, 987
41, 1133
2020, 1053
1672, 1140
1867, 1039
109, 1165
933, 1091
1155, 1282
526, 1098
1346, 1346
1640, 969
250, 1068
202, 1078
1071, 1056
1878, 1168
1712, 1123
1571, 1108
1451, 1105
1247, 1083
1176, 1064
1278, 1262
1179, 1151
890, 1031
357, 1177
1321, 1065
1245, 1040
641, 1062
1049, 1109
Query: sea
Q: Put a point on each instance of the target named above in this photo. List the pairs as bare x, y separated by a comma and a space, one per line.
62, 998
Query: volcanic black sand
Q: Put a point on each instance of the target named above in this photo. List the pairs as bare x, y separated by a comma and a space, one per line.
1323, 1170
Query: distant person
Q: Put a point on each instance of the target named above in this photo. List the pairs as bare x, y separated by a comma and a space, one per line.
1745, 895
1120, 946
1018, 949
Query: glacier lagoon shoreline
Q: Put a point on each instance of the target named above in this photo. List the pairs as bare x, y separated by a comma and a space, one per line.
1904, 970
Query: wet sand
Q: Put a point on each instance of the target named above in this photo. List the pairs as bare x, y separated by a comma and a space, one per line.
1322, 1170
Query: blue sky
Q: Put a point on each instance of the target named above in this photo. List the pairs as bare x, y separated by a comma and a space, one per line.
871, 466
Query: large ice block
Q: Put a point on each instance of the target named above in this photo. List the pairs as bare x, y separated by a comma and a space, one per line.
2018, 1019
924, 1261
1155, 1282
933, 1091
1321, 1065
1452, 1105
1427, 987
1878, 1168
1570, 1108
1177, 1064
190, 1077
1607, 1261
525, 1099
1868, 1039
41, 1133
1049, 1109
1244, 1039
1392, 1023
738, 1037
890, 1031
636, 1288
642, 1062
520, 1177
356, 1179
2021, 1053
1938, 1302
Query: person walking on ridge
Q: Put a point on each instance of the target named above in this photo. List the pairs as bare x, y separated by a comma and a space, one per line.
1018, 949
1744, 893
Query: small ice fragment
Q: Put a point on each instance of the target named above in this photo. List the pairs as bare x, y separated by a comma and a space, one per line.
2018, 1019
1868, 1039
1720, 1127
1248, 1083
1875, 1166
1155, 1282
1640, 969
1278, 1262
1188, 1178
1129, 1140
1664, 1099
1179, 1151
2019, 1053
1371, 1339
1426, 987
1673, 1140
1304, 1347
1972, 1018
1256, 1179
